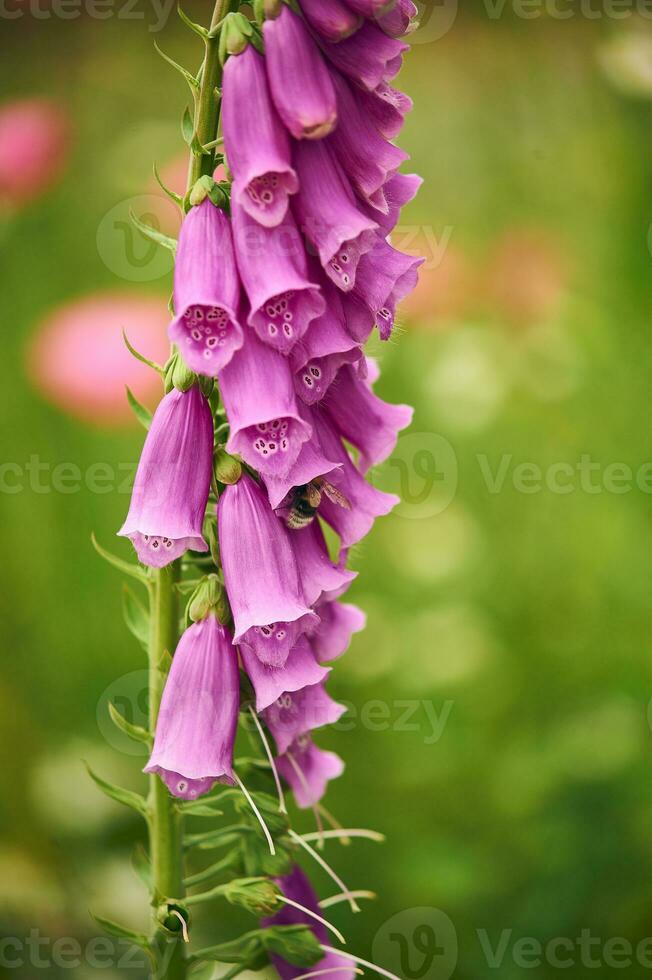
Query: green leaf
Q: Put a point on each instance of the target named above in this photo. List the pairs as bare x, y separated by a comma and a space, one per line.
153, 234
202, 877
143, 414
247, 950
133, 731
135, 616
187, 126
132, 350
125, 796
122, 932
215, 838
197, 28
193, 84
141, 864
197, 808
296, 944
135, 571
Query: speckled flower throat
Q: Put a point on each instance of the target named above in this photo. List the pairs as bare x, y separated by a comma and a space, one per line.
253, 480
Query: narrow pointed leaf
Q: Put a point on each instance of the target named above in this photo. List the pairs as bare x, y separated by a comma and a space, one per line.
125, 796
187, 126
193, 84
143, 415
133, 731
122, 932
153, 234
197, 28
141, 864
135, 616
135, 571
141, 357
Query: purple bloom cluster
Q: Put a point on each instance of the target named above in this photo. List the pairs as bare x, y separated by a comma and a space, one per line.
275, 300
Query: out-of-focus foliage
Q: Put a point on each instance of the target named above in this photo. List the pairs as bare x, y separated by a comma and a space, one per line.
508, 604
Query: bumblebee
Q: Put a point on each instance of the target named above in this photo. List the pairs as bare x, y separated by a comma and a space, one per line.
304, 502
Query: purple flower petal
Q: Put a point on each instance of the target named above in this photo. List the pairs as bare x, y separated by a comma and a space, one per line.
257, 145
332, 19
387, 108
366, 502
300, 712
260, 570
170, 493
385, 277
195, 731
368, 57
399, 21
310, 464
308, 770
364, 155
327, 213
296, 886
257, 389
206, 291
300, 83
317, 573
364, 420
273, 269
299, 670
338, 621
324, 348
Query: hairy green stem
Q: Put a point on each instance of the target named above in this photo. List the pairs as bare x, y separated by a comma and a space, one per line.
166, 841
207, 114
165, 821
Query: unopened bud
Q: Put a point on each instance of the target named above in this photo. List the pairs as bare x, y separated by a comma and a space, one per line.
295, 944
236, 35
259, 896
208, 597
228, 469
174, 918
178, 375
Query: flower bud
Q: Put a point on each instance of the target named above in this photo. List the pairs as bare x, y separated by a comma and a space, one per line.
173, 918
260, 896
228, 469
207, 597
296, 944
236, 35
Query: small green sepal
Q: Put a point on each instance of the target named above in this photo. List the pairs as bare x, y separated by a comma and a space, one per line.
236, 34
143, 414
228, 469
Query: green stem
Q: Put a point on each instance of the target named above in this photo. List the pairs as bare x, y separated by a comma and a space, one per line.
207, 115
165, 821
166, 832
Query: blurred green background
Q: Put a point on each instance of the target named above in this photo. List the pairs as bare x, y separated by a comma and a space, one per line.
508, 608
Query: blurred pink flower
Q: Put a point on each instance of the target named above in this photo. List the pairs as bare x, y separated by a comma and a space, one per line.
78, 360
34, 147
